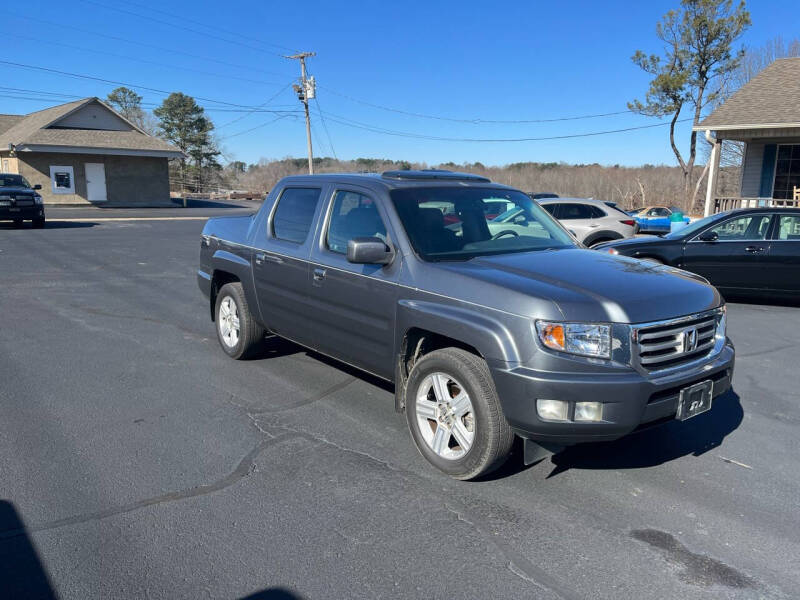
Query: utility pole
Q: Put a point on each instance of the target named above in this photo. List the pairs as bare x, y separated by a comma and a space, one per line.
305, 92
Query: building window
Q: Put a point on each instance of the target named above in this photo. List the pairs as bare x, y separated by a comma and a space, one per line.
62, 180
787, 171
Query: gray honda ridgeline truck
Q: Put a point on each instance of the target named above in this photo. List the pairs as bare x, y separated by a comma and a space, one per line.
489, 328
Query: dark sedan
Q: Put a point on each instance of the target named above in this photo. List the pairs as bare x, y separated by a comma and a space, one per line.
742, 252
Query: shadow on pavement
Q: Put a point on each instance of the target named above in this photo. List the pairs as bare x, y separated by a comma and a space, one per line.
51, 225
659, 444
273, 594
21, 572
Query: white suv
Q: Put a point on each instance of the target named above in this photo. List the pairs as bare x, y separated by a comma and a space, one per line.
592, 221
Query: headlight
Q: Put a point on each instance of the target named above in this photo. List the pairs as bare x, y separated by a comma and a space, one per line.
583, 339
37, 199
722, 324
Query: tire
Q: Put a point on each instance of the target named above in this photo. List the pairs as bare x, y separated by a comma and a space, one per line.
230, 309
38, 223
454, 371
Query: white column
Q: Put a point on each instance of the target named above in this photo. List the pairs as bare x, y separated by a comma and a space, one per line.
713, 171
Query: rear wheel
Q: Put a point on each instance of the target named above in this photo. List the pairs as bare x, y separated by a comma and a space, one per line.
454, 414
238, 333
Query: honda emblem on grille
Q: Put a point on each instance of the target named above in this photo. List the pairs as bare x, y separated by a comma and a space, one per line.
690, 339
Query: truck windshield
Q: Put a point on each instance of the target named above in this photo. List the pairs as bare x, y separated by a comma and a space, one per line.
10, 180
453, 223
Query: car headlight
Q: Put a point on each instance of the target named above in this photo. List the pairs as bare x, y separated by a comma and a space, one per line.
37, 199
583, 339
722, 323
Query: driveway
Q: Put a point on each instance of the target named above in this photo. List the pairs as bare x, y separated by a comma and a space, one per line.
138, 461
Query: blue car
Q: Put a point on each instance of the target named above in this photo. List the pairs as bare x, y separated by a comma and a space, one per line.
655, 219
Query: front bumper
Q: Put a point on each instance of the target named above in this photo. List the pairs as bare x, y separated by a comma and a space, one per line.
12, 213
629, 398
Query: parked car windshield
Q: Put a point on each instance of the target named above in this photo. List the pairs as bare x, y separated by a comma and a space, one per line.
449, 223
7, 180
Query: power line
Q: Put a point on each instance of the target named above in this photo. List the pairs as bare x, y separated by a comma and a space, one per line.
247, 114
148, 62
202, 33
225, 137
114, 82
214, 27
325, 127
59, 96
62, 26
375, 129
474, 121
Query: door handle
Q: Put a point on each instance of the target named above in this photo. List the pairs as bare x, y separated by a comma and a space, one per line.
319, 274
754, 249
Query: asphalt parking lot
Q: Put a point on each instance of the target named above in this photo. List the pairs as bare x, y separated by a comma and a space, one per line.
138, 461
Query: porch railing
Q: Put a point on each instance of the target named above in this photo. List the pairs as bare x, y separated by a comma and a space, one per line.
723, 204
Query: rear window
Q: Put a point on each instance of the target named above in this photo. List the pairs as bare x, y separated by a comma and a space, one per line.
295, 213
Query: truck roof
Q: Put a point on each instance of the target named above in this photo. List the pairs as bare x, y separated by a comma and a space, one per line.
398, 179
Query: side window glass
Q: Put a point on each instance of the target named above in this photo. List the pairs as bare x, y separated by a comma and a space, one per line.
752, 227
597, 213
789, 228
295, 213
551, 208
574, 211
353, 215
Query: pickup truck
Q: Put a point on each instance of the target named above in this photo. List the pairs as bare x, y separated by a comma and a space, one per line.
20, 201
486, 335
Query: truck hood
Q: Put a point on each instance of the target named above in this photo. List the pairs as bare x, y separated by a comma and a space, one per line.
586, 285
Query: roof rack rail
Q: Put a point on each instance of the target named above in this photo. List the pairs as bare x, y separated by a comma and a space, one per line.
424, 174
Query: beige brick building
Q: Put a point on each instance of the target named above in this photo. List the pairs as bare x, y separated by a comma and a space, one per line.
84, 152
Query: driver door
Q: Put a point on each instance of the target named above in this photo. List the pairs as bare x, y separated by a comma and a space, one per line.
737, 258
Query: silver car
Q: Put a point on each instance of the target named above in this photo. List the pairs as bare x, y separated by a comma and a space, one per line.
592, 221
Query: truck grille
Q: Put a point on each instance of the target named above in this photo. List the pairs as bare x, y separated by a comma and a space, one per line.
673, 343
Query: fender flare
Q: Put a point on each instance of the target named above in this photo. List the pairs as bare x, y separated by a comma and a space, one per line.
228, 262
605, 234
489, 336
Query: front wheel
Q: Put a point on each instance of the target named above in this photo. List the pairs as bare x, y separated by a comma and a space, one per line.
238, 333
454, 414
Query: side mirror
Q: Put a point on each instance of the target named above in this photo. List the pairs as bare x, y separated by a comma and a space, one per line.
38, 186
708, 236
369, 251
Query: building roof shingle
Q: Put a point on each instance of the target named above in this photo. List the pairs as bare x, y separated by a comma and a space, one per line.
32, 130
770, 99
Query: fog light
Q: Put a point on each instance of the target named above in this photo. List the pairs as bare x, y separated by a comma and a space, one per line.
552, 410
588, 411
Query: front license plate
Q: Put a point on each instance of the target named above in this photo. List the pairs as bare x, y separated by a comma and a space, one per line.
694, 400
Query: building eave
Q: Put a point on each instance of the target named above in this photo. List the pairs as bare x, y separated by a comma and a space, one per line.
92, 150
702, 127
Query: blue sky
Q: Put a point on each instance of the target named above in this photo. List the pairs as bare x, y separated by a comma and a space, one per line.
461, 60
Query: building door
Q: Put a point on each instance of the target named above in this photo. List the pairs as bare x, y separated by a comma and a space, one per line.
96, 182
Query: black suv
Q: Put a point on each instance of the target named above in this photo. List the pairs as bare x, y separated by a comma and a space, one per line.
19, 201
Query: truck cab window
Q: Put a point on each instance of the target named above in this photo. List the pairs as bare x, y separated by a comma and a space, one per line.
353, 215
295, 213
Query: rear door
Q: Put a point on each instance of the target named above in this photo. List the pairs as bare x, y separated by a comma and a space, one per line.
783, 268
737, 259
577, 218
281, 265
354, 305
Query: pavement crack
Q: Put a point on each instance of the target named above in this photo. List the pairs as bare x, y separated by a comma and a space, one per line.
242, 470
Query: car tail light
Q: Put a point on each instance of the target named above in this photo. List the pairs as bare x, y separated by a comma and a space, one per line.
629, 222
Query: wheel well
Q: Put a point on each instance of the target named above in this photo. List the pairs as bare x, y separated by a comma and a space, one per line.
218, 279
416, 344
602, 236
